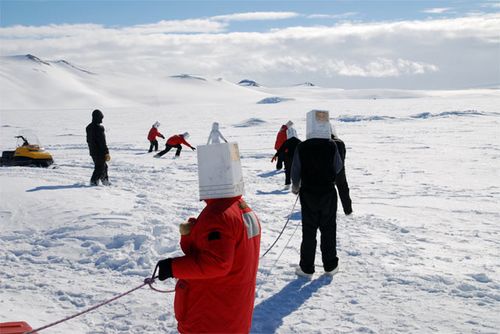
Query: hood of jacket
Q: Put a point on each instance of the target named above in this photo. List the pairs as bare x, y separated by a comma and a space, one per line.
97, 116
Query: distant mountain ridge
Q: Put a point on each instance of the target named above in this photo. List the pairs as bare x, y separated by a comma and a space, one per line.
66, 63
188, 76
248, 83
307, 84
37, 60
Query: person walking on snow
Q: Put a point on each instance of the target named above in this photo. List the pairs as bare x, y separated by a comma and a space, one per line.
341, 179
215, 291
316, 164
153, 133
280, 139
215, 135
287, 150
96, 139
176, 141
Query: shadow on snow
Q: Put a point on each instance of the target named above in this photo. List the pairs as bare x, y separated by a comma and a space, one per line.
268, 315
271, 173
297, 215
69, 186
274, 192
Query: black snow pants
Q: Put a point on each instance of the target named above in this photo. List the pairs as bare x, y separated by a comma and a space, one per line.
318, 211
279, 163
343, 188
288, 169
168, 148
100, 171
154, 144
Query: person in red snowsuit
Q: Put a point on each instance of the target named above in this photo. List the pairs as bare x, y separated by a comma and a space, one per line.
176, 141
153, 133
281, 137
217, 276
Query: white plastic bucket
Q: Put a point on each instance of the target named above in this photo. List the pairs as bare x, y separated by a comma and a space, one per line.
219, 171
318, 124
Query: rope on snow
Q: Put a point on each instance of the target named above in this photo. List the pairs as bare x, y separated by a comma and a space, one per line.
147, 281
283, 229
282, 251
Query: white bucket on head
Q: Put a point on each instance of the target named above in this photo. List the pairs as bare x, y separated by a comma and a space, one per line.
318, 124
291, 132
219, 171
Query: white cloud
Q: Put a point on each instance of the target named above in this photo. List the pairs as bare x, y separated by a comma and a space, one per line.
380, 68
332, 16
180, 26
47, 31
440, 10
410, 54
491, 5
67, 30
256, 16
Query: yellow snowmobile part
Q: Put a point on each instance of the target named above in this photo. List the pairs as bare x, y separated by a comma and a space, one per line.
33, 152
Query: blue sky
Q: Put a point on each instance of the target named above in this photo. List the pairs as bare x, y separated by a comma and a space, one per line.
125, 13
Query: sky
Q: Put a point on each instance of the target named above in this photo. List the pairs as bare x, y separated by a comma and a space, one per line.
345, 44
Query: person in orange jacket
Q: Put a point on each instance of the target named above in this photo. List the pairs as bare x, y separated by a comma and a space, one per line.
280, 140
215, 291
175, 141
153, 133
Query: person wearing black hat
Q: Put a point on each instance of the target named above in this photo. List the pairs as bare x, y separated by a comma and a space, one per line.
99, 152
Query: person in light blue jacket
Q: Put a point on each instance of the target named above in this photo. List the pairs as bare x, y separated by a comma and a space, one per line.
215, 135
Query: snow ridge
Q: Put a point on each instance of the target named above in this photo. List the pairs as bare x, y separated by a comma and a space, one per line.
248, 83
188, 76
66, 63
273, 100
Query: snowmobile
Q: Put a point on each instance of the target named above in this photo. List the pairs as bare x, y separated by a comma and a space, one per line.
29, 153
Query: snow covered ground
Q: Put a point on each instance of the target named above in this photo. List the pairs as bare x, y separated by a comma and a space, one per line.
419, 254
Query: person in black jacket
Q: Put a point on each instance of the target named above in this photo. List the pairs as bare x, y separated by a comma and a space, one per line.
287, 151
341, 179
96, 140
315, 166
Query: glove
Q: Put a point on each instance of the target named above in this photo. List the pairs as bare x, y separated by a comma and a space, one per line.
162, 136
295, 189
194, 149
185, 228
107, 157
273, 159
165, 269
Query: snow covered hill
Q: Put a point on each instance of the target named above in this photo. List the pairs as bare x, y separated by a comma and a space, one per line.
29, 82
419, 254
